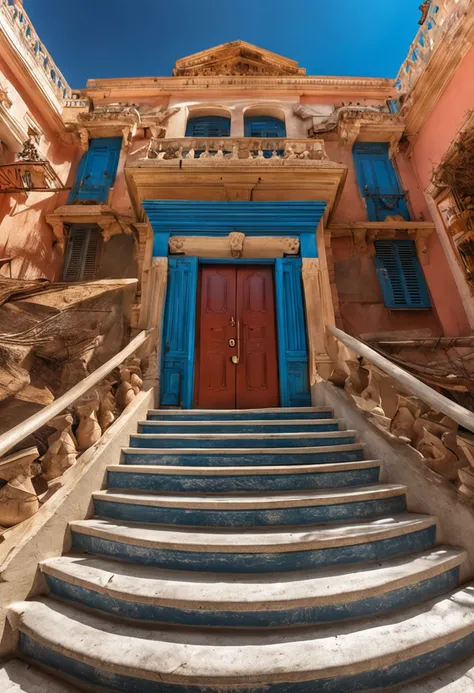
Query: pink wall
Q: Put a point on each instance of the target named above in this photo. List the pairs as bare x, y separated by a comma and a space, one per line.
444, 122
24, 233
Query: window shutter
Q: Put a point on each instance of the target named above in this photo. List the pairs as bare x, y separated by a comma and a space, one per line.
400, 275
82, 254
264, 126
208, 126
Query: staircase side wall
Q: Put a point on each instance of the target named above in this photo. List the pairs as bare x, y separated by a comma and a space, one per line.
427, 491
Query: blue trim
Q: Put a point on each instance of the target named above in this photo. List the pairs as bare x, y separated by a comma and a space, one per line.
270, 517
223, 562
177, 383
245, 427
175, 442
236, 483
241, 416
401, 598
398, 673
264, 127
208, 459
291, 327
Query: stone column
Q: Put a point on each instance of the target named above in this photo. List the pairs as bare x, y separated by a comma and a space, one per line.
320, 363
151, 315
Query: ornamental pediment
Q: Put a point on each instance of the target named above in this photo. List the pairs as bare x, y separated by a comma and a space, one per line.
237, 58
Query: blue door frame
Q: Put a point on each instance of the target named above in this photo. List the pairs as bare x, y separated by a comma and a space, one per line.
189, 218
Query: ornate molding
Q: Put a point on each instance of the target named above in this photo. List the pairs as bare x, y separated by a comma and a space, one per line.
236, 58
235, 245
110, 223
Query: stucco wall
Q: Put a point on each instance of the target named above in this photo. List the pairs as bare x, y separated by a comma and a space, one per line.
24, 233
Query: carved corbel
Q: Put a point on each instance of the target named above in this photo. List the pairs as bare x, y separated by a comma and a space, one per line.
421, 242
394, 145
109, 228
84, 138
236, 242
348, 134
360, 240
59, 232
370, 241
127, 136
176, 245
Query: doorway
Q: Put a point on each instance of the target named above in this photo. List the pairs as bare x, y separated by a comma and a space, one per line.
236, 343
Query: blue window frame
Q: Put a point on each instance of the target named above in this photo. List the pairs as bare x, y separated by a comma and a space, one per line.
208, 126
264, 126
400, 275
97, 170
378, 181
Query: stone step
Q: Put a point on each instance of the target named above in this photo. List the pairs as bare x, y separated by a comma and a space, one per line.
242, 440
357, 655
251, 426
256, 550
19, 677
273, 600
457, 678
253, 510
234, 479
225, 457
239, 414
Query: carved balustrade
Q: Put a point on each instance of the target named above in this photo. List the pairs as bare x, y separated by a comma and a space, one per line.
265, 151
437, 21
20, 30
402, 406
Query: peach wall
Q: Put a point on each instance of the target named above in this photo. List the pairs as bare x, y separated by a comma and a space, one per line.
445, 121
24, 234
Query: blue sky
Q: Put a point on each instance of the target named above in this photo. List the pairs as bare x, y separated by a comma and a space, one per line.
132, 38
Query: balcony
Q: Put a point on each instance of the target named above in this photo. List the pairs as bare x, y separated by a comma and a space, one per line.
19, 34
442, 17
234, 168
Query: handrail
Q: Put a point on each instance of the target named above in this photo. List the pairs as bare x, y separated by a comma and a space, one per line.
15, 435
462, 416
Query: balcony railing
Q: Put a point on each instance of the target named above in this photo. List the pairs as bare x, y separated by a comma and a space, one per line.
15, 23
238, 149
441, 16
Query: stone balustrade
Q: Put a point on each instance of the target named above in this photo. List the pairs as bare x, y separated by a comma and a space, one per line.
441, 16
15, 23
234, 149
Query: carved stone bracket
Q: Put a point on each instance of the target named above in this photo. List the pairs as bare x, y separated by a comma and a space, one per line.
365, 233
235, 245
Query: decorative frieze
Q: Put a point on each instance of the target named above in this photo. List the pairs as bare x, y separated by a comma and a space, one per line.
235, 245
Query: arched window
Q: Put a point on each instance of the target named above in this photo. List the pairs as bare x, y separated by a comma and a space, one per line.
264, 126
208, 126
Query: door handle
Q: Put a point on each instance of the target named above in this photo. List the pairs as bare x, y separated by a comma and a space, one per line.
236, 359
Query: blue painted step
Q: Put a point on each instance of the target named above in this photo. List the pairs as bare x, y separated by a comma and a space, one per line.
239, 415
257, 551
244, 457
238, 479
173, 428
264, 601
262, 510
243, 440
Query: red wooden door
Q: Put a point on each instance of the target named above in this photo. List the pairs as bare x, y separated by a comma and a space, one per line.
236, 319
257, 372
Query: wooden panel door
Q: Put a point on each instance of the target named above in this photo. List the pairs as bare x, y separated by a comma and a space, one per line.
215, 372
257, 371
236, 319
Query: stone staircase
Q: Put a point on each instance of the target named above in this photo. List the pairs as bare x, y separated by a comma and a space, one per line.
247, 551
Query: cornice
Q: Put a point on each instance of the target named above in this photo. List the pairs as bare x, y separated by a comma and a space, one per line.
301, 85
438, 72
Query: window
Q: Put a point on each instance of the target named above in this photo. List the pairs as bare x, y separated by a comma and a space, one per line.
97, 170
208, 126
378, 181
82, 254
400, 275
264, 126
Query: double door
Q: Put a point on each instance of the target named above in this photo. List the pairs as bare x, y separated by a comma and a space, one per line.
236, 360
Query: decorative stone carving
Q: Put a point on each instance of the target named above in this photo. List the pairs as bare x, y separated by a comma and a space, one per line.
236, 242
89, 431
106, 415
62, 450
236, 58
18, 498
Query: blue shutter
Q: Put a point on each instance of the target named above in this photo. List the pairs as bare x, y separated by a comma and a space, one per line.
97, 170
293, 349
264, 126
378, 181
208, 126
177, 381
400, 275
